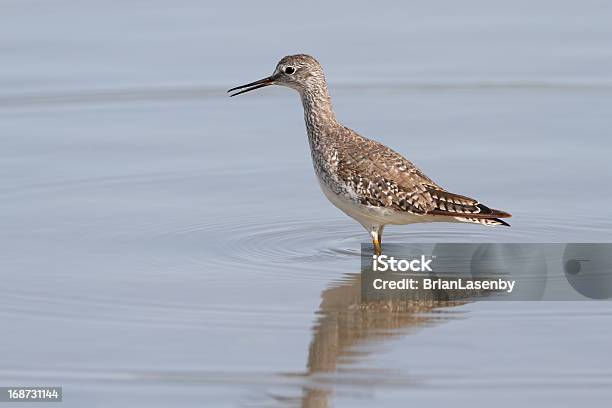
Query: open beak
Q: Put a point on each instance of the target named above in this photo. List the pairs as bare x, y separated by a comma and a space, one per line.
253, 85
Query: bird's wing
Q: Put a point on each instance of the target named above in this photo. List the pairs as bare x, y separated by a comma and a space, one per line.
382, 177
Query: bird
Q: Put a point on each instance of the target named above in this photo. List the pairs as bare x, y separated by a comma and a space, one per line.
368, 181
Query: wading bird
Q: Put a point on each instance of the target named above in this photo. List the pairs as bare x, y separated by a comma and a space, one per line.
365, 179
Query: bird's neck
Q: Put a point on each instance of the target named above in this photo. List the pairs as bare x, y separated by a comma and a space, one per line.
318, 114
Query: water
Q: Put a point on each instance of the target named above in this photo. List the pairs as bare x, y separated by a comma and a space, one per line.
163, 244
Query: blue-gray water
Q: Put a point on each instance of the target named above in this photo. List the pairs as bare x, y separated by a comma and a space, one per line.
165, 245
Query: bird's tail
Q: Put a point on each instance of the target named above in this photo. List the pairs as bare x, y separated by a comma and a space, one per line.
489, 222
465, 209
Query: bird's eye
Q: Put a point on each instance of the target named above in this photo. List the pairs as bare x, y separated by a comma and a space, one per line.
289, 70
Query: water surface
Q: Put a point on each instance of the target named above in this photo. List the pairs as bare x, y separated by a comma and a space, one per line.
163, 244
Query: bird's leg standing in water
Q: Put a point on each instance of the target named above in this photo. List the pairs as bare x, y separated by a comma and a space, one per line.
376, 233
377, 247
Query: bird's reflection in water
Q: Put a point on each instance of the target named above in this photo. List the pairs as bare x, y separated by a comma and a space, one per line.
347, 321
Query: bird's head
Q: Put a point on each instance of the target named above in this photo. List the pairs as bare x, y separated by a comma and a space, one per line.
300, 72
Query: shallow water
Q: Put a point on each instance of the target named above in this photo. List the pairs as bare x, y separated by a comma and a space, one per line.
163, 244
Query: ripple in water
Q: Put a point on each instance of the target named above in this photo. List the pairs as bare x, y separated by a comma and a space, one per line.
259, 243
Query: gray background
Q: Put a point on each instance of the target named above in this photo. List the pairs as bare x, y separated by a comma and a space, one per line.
163, 244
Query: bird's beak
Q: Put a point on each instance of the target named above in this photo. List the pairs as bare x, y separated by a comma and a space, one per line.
254, 85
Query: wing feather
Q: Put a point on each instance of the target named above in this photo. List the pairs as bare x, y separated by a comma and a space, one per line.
382, 177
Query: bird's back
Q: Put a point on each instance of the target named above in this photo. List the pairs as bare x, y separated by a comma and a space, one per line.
379, 176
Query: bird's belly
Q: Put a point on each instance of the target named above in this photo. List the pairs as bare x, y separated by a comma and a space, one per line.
368, 215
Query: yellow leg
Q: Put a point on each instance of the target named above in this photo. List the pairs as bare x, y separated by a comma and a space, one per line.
376, 233
377, 246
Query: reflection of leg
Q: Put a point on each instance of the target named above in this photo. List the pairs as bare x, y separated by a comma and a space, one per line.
376, 233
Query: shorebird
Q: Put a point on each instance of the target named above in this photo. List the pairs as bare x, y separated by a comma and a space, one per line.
365, 179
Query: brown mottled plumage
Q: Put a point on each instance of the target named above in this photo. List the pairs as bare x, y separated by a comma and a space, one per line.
367, 180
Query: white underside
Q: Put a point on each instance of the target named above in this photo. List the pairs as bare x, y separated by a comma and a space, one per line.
373, 217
